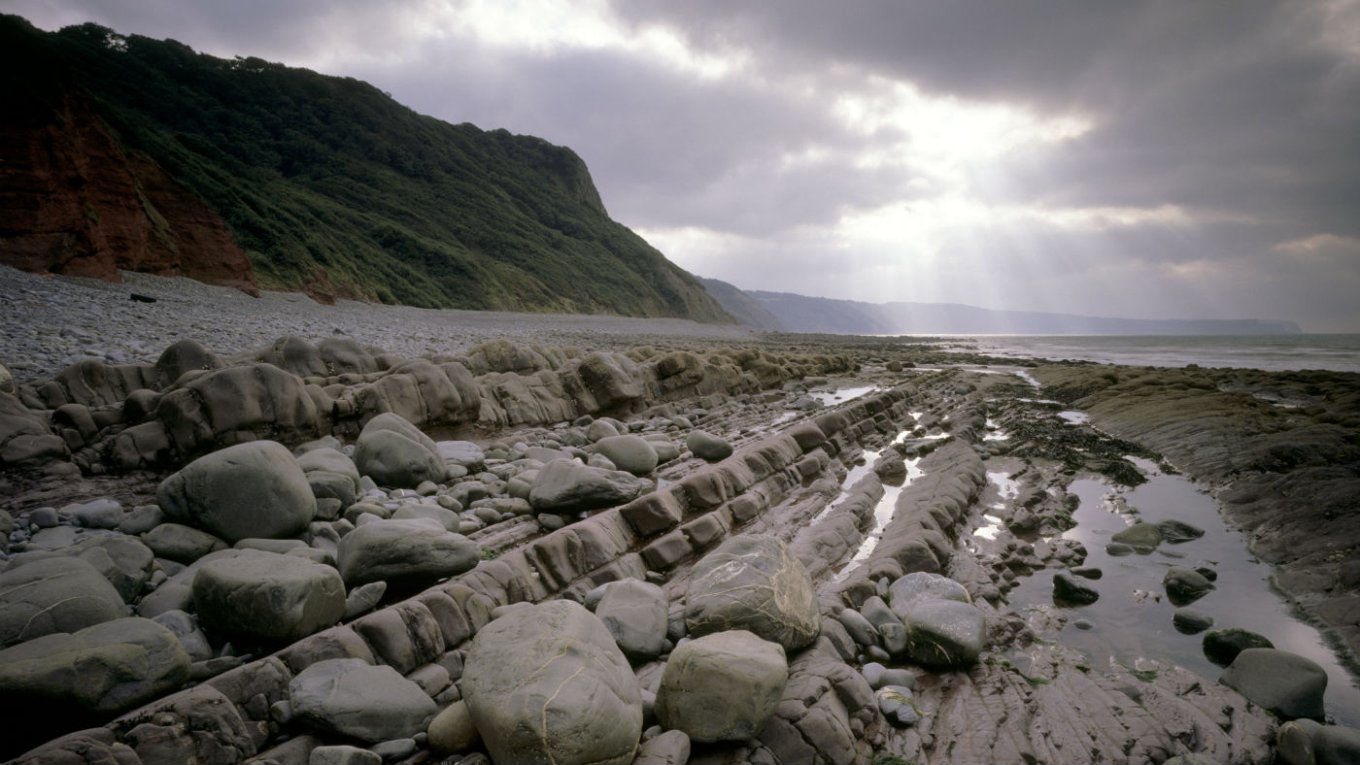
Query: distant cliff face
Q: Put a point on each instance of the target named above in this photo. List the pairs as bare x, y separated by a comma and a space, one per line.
143, 154
73, 202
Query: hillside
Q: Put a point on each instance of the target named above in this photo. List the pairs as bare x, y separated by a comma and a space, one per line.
745, 309
127, 152
799, 313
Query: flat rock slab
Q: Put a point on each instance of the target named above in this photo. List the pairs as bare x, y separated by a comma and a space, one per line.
268, 596
753, 583
353, 698
254, 489
547, 685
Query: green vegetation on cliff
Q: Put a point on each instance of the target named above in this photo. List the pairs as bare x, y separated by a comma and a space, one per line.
334, 188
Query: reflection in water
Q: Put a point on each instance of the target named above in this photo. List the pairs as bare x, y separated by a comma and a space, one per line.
1132, 619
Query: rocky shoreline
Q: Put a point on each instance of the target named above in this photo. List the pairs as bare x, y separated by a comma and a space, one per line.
437, 537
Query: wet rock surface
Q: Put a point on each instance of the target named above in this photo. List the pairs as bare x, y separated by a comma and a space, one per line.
494, 499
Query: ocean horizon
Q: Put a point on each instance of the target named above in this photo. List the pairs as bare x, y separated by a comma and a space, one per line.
1336, 352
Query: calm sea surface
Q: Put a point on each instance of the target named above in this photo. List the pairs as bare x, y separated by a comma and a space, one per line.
1338, 352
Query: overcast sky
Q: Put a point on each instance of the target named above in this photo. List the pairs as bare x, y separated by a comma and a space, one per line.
1184, 158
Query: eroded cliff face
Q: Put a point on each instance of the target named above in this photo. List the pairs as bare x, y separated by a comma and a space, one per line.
73, 202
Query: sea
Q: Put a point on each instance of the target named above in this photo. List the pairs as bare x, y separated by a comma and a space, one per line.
1334, 352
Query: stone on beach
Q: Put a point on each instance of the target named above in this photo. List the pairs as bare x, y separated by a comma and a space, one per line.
1287, 684
393, 452
54, 595
752, 582
353, 698
254, 489
1140, 536
1221, 646
564, 486
268, 596
707, 446
945, 633
1184, 585
411, 551
1068, 590
631, 453
97, 671
635, 613
723, 686
547, 684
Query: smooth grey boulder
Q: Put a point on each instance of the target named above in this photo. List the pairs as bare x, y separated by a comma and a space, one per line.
254, 489
922, 585
1294, 742
343, 754
181, 543
1284, 683
707, 446
1185, 585
635, 613
1068, 590
268, 596
753, 583
631, 453
353, 698
722, 687
547, 684
121, 559
404, 552
393, 452
945, 633
331, 474
100, 670
54, 595
898, 705
565, 486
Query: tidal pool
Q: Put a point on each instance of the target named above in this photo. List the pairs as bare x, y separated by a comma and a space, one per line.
1132, 620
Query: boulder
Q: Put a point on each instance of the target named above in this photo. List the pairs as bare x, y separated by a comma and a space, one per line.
452, 730
393, 452
1294, 742
635, 613
255, 489
1284, 683
400, 552
668, 748
54, 595
547, 684
922, 585
753, 583
1188, 621
723, 686
330, 474
180, 543
1176, 532
1337, 745
268, 596
945, 633
633, 454
1185, 585
1140, 536
181, 357
464, 453
565, 486
1221, 646
353, 698
1068, 590
707, 446
90, 673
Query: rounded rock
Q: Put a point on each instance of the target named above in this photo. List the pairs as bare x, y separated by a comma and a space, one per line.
722, 687
268, 596
254, 489
754, 583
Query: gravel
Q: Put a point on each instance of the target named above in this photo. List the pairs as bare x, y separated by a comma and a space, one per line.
53, 322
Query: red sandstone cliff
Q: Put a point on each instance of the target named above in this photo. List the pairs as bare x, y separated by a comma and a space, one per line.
73, 202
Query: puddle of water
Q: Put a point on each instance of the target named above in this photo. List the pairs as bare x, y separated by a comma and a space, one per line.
841, 395
883, 513
990, 528
1132, 619
1074, 417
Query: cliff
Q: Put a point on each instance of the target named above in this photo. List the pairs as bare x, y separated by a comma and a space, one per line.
139, 153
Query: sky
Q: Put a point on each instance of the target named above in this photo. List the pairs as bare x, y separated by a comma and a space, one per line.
1168, 158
